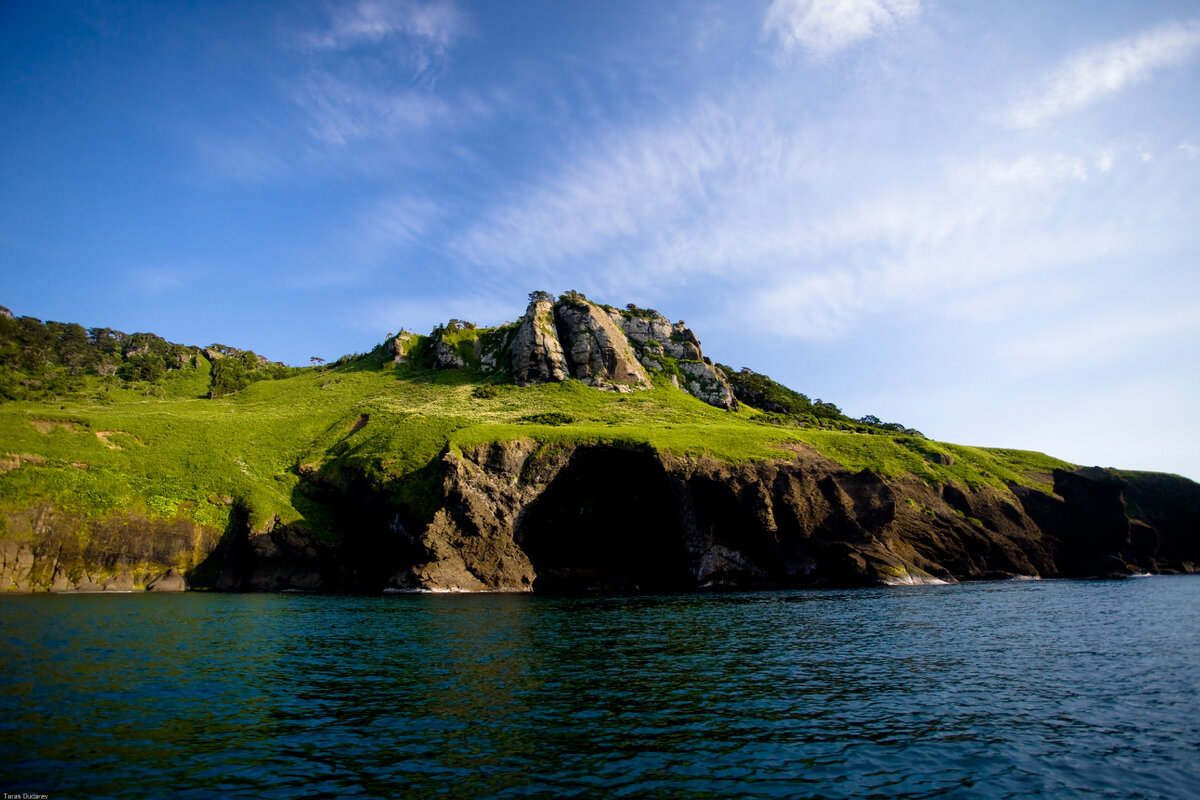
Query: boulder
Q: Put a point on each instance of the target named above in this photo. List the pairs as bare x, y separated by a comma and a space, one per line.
537, 354
86, 584
121, 583
61, 583
171, 581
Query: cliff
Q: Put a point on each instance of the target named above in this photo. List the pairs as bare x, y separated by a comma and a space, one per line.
581, 448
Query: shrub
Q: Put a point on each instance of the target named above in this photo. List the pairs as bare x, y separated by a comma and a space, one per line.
549, 418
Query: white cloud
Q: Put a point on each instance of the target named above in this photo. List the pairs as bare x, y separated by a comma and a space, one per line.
437, 23
1099, 71
373, 69
823, 27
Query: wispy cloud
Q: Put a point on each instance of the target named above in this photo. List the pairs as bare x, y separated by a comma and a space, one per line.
1100, 71
340, 111
437, 24
651, 193
373, 68
823, 27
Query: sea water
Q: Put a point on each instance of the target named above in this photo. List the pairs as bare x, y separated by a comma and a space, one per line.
1033, 689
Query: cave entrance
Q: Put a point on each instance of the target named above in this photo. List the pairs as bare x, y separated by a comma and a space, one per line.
608, 522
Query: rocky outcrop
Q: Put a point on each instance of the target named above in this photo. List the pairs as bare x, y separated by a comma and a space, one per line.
701, 379
598, 352
537, 354
400, 345
446, 357
655, 337
576, 338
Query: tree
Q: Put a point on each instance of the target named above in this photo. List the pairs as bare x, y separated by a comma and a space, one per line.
317, 360
541, 297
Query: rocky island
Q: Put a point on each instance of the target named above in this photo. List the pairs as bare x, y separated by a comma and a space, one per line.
580, 448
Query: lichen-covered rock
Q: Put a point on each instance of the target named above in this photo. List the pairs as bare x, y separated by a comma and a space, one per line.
683, 344
658, 333
490, 349
598, 351
655, 337
537, 354
643, 329
706, 382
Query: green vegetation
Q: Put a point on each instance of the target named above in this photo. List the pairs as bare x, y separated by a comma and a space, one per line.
206, 437
784, 406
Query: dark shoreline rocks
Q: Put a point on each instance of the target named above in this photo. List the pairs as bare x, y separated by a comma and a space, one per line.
518, 516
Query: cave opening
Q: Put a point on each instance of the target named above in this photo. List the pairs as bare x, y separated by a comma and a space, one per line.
608, 522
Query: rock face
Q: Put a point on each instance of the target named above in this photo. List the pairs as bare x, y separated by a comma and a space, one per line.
537, 354
598, 351
706, 382
518, 516
445, 357
654, 336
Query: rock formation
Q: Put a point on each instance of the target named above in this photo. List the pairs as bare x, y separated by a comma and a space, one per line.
398, 346
537, 354
597, 350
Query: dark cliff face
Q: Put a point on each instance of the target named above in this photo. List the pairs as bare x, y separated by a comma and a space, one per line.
518, 516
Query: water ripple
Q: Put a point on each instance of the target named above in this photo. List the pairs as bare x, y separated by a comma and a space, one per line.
1049, 689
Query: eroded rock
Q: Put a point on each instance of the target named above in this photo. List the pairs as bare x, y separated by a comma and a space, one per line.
598, 352
537, 353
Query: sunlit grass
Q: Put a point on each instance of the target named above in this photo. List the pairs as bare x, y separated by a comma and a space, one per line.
171, 451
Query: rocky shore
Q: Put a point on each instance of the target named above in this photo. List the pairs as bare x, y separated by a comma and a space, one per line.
518, 516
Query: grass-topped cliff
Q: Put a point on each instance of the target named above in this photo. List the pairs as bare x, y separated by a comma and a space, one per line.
179, 442
471, 457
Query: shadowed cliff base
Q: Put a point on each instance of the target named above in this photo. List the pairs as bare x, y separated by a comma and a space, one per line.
522, 516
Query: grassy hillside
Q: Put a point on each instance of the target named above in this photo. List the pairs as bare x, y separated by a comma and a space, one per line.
167, 448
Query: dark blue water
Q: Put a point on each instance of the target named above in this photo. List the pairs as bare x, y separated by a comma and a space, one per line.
1051, 689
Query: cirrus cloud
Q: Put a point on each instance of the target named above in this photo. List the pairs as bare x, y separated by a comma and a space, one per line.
1099, 71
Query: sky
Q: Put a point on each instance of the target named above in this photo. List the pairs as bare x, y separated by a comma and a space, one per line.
981, 220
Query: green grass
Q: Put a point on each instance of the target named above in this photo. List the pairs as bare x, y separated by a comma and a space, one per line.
166, 451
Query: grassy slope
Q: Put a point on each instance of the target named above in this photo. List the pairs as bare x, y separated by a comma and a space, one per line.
183, 454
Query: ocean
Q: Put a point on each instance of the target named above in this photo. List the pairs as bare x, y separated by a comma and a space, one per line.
992, 690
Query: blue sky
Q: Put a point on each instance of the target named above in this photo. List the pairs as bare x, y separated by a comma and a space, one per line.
979, 219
